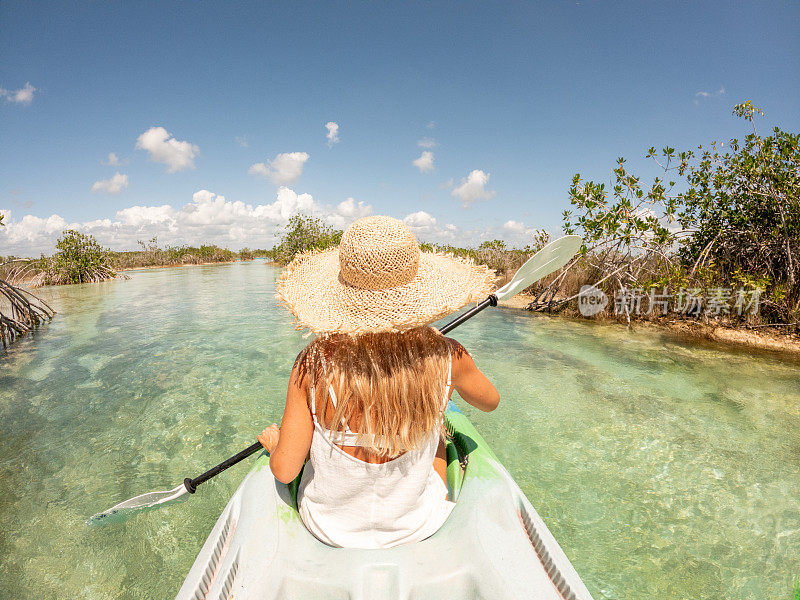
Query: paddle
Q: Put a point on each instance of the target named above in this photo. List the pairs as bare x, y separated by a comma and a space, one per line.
189, 486
552, 257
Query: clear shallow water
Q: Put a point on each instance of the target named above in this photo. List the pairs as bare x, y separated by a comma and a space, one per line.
662, 468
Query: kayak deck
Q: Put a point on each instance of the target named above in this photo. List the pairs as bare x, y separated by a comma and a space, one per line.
494, 546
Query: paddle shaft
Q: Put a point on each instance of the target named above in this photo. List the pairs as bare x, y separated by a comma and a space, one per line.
191, 484
490, 301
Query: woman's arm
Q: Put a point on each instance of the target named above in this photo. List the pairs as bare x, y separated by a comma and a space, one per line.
470, 383
289, 445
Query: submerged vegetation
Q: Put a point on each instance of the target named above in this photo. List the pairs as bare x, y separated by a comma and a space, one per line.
20, 311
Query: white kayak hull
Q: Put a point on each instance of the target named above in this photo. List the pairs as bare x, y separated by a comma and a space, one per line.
494, 546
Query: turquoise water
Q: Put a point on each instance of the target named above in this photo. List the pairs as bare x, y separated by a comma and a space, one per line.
663, 468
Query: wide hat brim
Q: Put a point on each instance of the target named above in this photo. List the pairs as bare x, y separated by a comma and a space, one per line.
311, 287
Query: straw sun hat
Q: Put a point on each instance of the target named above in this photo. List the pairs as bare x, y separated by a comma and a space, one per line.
378, 280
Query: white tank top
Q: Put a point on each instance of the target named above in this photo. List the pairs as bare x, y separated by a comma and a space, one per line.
349, 503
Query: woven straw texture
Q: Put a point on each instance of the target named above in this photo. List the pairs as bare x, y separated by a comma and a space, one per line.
378, 280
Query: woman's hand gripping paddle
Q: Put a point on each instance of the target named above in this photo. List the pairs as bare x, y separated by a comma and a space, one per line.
552, 257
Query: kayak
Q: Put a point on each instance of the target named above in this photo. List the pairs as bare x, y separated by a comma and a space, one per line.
493, 546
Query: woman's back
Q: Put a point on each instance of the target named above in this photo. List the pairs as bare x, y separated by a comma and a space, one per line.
379, 502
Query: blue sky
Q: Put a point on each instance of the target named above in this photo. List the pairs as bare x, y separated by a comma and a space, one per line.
511, 99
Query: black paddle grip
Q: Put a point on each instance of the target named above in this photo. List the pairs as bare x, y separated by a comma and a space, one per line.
191, 484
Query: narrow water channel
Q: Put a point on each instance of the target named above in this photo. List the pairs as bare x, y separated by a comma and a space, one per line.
663, 468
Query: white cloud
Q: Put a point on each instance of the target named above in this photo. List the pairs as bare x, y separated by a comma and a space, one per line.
242, 141
140, 216
112, 160
430, 125
211, 218
20, 235
111, 186
515, 233
425, 162
705, 95
207, 218
284, 169
287, 204
348, 211
514, 227
353, 210
426, 227
474, 188
24, 95
97, 223
427, 142
333, 133
420, 221
163, 148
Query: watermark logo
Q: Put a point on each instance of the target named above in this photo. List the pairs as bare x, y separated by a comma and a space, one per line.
691, 302
591, 300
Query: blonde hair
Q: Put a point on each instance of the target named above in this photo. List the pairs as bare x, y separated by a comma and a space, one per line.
390, 385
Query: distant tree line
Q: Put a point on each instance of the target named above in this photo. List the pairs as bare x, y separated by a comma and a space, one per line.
716, 217
81, 259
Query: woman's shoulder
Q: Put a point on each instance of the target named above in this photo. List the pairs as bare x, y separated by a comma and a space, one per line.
301, 374
456, 349
460, 358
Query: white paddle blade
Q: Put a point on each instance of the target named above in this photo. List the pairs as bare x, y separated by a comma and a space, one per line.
551, 258
148, 500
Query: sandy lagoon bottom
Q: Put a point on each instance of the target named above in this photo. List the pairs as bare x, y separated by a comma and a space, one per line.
662, 468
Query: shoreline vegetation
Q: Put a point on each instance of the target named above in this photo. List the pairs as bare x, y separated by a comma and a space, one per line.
710, 249
80, 259
690, 329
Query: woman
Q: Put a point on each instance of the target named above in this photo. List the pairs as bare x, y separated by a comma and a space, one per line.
366, 399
